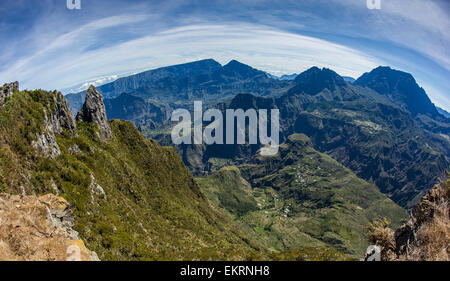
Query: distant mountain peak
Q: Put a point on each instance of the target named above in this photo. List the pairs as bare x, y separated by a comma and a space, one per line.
388, 72
236, 63
314, 80
242, 69
400, 87
314, 70
212, 62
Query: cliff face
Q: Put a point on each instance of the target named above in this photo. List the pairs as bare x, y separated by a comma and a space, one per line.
39, 229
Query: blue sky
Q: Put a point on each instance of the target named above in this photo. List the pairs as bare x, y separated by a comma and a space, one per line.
45, 45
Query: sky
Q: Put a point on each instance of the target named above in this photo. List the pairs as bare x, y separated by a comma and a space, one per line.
46, 45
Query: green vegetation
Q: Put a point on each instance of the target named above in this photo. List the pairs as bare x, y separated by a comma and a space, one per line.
311, 254
151, 208
304, 198
135, 200
230, 191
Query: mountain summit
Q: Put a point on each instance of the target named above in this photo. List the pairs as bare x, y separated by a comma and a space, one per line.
400, 87
235, 67
314, 80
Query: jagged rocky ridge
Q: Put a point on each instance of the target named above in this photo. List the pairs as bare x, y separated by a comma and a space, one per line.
57, 120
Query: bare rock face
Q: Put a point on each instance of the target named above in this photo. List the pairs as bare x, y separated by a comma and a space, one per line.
39, 229
61, 117
8, 90
57, 120
94, 111
46, 143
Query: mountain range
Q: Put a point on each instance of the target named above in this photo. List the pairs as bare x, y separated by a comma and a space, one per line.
382, 126
206, 80
351, 152
132, 199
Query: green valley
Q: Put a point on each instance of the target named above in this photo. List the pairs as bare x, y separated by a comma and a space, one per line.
300, 198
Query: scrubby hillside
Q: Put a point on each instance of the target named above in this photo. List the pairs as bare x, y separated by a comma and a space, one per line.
132, 199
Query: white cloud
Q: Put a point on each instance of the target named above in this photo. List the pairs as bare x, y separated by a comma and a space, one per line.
96, 82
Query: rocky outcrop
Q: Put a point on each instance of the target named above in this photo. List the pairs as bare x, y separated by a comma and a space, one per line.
96, 189
39, 229
46, 143
61, 118
94, 111
56, 121
426, 236
58, 118
8, 90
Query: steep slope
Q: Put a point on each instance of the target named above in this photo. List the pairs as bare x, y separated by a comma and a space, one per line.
132, 199
300, 198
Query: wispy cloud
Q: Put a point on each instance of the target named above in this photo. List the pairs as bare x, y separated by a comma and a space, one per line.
58, 48
260, 46
96, 82
415, 24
